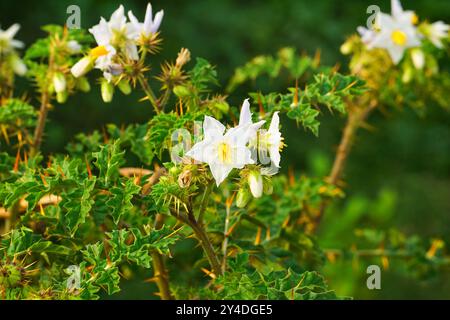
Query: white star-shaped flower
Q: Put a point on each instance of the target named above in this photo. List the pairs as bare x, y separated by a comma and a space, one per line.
7, 41
149, 26
222, 151
438, 31
271, 140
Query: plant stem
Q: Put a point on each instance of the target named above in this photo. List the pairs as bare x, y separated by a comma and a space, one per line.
39, 131
150, 94
45, 100
204, 202
207, 247
160, 272
356, 117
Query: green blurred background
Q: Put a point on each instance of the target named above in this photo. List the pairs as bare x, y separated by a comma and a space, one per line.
398, 174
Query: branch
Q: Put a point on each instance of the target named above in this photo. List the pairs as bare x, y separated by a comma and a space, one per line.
356, 117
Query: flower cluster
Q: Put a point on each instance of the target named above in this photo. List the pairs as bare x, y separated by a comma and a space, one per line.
118, 44
400, 31
8, 46
243, 145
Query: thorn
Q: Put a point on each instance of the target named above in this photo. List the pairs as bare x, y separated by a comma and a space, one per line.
231, 229
5, 133
43, 180
209, 273
285, 222
291, 176
41, 209
150, 280
229, 201
268, 234
261, 107
258, 237
296, 93
88, 167
17, 162
317, 57
385, 262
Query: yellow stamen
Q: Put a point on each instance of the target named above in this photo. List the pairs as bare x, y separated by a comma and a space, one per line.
414, 19
224, 151
399, 37
99, 51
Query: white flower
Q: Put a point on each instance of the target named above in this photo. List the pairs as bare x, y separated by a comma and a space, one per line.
403, 16
271, 140
7, 41
246, 123
395, 36
116, 33
367, 35
222, 151
149, 26
437, 32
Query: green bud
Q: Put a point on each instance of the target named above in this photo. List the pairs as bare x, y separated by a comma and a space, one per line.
61, 97
107, 90
83, 84
181, 91
407, 75
267, 186
242, 197
223, 106
124, 86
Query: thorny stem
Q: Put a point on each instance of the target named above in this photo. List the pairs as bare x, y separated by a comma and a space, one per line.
150, 94
204, 202
43, 112
160, 274
207, 247
39, 131
189, 219
355, 118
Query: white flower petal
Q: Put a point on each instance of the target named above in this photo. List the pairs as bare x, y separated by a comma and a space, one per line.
220, 172
12, 30
212, 127
157, 23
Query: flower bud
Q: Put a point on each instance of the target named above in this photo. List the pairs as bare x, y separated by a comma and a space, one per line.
61, 97
418, 58
407, 75
242, 197
124, 86
267, 186
107, 90
185, 178
222, 106
83, 84
346, 48
59, 82
255, 181
183, 57
181, 91
82, 67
